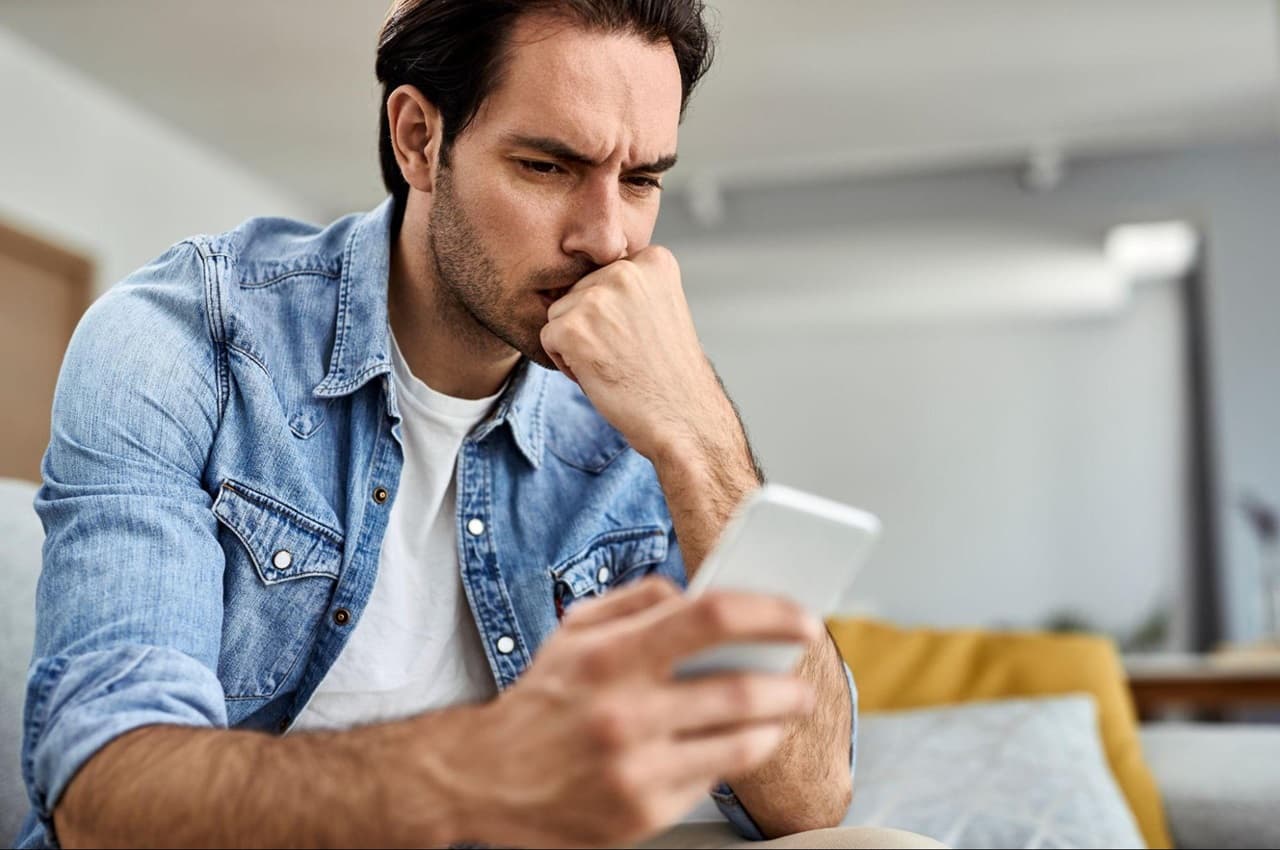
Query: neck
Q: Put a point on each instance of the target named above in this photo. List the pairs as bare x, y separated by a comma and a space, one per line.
443, 344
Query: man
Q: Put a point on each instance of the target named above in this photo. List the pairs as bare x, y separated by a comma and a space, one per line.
360, 485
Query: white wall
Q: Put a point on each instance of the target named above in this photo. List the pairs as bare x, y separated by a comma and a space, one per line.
1021, 467
84, 168
1016, 425
1067, 403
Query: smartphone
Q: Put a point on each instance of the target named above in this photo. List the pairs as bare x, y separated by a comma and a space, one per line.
782, 542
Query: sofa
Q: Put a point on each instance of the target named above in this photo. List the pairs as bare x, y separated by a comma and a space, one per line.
1220, 784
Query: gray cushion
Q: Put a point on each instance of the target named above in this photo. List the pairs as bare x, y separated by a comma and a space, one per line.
1008, 773
20, 539
1220, 783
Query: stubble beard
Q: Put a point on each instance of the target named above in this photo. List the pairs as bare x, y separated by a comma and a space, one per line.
470, 293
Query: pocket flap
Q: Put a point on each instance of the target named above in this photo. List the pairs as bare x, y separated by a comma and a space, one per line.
609, 557
282, 543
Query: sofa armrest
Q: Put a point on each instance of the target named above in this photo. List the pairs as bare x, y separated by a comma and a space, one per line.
1220, 783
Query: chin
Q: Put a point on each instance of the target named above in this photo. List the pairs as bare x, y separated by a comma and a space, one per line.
529, 345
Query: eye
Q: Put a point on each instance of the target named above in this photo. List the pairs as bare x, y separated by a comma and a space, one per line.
644, 184
538, 166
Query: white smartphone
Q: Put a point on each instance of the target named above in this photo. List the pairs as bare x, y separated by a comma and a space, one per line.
788, 543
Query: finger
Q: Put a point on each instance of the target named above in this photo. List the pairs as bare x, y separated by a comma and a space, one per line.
705, 759
653, 256
622, 602
717, 617
714, 704
562, 366
677, 800
720, 702
550, 344
578, 291
565, 302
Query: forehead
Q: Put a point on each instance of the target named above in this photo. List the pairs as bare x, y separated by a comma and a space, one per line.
608, 95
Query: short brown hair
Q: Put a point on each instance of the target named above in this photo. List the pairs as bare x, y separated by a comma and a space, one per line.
451, 51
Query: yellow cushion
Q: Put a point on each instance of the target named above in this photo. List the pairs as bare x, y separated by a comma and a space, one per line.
909, 668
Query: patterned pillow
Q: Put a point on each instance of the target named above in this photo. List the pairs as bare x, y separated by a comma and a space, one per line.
1008, 773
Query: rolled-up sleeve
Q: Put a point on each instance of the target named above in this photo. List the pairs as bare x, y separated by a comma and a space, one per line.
731, 807
129, 602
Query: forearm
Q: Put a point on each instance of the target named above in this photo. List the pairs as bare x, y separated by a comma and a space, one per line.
171, 786
705, 477
807, 783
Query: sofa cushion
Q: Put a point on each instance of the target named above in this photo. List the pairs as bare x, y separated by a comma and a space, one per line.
20, 540
899, 668
1220, 783
1009, 773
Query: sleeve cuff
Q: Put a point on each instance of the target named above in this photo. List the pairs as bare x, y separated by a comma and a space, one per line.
77, 704
736, 813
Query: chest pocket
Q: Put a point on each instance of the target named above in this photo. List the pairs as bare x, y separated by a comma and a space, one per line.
611, 559
281, 571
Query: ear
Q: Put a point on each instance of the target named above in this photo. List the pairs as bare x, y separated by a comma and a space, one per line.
416, 130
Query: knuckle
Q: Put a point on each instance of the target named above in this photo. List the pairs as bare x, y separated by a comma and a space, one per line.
630, 274
576, 333
593, 300
744, 696
717, 612
550, 335
662, 255
659, 587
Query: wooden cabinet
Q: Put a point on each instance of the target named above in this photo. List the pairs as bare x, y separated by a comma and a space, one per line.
44, 289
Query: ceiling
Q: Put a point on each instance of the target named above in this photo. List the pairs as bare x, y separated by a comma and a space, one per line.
808, 89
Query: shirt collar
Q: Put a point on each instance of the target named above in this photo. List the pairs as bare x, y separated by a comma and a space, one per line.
521, 408
361, 343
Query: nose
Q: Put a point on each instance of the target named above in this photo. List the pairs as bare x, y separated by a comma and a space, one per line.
596, 228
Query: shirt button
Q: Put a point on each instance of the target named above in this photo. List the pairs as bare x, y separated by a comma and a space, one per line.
603, 576
342, 616
506, 644
282, 559
475, 526
380, 495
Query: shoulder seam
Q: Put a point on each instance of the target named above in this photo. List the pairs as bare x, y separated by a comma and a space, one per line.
209, 262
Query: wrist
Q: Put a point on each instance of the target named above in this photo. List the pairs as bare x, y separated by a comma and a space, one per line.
677, 454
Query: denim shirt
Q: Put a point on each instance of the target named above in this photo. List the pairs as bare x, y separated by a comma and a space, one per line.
231, 401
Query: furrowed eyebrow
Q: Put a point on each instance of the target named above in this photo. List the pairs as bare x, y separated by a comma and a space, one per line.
563, 152
658, 166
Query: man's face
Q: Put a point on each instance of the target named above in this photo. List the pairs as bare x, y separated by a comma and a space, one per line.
557, 176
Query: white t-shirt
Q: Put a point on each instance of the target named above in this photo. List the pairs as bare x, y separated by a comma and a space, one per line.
415, 647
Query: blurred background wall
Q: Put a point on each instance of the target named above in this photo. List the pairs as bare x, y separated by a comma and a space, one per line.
892, 217
1031, 407
84, 164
